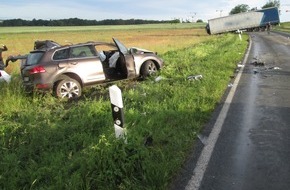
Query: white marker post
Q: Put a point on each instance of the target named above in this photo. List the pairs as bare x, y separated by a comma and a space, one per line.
117, 111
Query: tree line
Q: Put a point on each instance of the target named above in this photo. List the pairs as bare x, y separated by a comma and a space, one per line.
245, 8
80, 22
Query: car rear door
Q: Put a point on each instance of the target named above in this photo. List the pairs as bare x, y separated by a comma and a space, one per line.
126, 58
84, 61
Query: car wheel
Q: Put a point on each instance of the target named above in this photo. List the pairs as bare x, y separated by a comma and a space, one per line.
68, 88
148, 69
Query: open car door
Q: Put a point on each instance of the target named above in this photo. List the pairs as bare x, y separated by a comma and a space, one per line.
126, 60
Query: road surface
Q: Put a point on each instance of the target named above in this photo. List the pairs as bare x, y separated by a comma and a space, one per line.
250, 150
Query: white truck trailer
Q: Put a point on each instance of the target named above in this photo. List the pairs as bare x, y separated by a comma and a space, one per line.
244, 21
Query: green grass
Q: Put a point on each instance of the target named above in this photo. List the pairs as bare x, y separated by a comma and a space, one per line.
46, 143
284, 27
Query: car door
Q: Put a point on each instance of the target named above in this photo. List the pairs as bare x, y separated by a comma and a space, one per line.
126, 60
84, 61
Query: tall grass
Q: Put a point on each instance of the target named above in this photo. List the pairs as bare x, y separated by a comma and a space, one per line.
50, 144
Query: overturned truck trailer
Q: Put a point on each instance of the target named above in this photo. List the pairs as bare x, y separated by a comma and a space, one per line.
252, 20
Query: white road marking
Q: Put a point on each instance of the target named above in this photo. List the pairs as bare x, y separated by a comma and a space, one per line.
203, 160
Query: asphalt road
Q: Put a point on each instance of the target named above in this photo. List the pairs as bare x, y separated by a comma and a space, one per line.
252, 150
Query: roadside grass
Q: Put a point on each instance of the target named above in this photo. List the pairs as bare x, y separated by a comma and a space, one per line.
284, 27
47, 143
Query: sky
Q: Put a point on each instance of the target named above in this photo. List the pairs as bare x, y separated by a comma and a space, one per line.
128, 9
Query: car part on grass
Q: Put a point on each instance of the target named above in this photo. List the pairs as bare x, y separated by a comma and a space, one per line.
190, 78
159, 78
195, 77
4, 77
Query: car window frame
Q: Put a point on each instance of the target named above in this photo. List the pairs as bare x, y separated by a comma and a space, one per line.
91, 49
58, 50
27, 60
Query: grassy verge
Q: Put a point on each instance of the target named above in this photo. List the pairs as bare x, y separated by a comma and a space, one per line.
284, 27
49, 144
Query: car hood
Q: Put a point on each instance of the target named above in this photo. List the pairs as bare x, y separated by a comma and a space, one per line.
137, 50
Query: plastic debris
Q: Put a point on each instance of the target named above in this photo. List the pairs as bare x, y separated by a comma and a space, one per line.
258, 63
240, 65
148, 141
159, 78
203, 139
195, 77
230, 85
275, 68
4, 76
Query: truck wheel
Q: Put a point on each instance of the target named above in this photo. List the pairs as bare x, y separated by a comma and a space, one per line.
68, 88
148, 69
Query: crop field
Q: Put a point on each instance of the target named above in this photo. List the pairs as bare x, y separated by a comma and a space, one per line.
46, 143
157, 37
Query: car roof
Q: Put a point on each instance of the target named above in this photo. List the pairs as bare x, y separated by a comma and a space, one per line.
46, 45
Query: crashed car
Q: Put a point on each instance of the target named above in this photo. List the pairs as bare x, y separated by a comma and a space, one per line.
66, 70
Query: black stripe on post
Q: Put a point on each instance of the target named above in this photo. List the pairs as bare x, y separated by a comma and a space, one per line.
118, 115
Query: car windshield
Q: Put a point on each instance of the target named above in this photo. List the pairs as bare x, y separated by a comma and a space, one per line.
33, 58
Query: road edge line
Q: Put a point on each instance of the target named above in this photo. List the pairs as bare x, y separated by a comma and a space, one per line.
203, 160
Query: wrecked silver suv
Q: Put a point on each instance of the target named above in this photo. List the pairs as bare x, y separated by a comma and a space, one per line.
66, 70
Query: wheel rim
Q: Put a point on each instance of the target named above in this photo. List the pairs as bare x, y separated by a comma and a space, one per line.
69, 90
152, 68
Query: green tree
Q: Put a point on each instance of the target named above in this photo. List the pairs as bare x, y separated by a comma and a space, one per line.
272, 3
199, 21
240, 9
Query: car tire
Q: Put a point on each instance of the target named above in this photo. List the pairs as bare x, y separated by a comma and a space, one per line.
68, 88
148, 69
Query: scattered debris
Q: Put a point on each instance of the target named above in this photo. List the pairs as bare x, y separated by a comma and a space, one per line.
258, 63
203, 139
263, 71
148, 141
274, 68
159, 78
230, 85
195, 77
241, 65
4, 76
